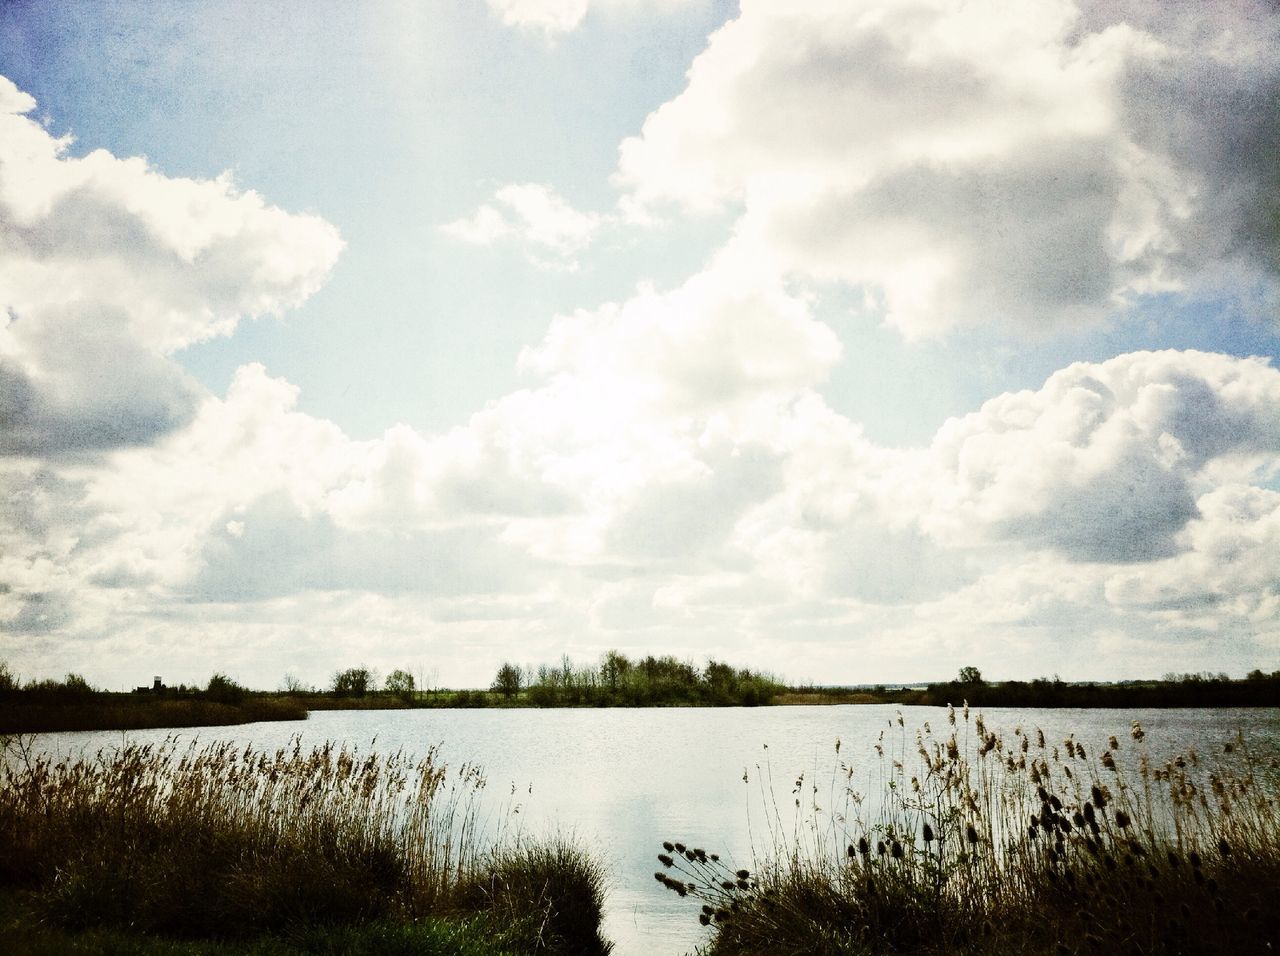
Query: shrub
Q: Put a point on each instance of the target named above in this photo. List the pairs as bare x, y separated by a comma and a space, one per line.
221, 689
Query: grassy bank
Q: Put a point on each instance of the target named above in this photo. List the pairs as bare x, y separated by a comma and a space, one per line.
325, 850
985, 844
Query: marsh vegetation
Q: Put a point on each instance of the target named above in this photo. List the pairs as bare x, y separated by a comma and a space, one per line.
295, 847
985, 843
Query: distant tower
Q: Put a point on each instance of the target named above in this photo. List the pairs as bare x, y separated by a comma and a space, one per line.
157, 686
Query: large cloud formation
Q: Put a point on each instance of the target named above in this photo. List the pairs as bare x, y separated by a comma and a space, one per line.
669, 478
972, 163
107, 267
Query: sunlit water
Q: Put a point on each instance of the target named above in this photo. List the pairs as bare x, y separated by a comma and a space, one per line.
624, 780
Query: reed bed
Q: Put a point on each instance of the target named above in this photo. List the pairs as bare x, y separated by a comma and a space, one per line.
137, 712
225, 842
978, 842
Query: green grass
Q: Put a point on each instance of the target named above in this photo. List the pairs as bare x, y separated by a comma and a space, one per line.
985, 844
329, 850
21, 932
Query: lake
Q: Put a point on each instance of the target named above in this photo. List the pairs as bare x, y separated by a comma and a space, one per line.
624, 780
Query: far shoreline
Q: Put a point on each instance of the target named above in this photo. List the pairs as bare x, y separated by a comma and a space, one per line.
55, 709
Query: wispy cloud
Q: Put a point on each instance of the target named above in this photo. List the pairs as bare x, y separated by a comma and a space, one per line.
534, 216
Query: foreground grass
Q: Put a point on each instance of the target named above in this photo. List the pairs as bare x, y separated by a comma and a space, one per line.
21, 931
1017, 846
320, 851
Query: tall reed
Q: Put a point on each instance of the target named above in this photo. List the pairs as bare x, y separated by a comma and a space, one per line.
986, 842
224, 841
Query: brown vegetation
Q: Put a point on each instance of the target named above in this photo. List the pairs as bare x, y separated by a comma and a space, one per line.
993, 844
233, 843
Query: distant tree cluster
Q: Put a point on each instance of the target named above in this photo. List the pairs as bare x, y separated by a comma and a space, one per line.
354, 682
619, 681
70, 687
1174, 690
362, 681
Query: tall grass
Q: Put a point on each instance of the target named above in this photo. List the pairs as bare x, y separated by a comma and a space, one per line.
227, 842
984, 843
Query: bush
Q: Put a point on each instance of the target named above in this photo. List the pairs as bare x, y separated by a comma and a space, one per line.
554, 891
221, 689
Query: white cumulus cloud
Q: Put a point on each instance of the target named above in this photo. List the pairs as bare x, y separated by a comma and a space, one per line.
1035, 167
107, 266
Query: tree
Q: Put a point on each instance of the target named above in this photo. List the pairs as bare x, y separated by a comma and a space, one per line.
508, 681
76, 684
353, 682
223, 690
401, 684
8, 681
614, 668
292, 685
971, 675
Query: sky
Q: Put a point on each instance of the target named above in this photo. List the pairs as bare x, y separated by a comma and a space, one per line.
856, 342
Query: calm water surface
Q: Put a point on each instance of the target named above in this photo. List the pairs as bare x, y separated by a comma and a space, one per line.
624, 780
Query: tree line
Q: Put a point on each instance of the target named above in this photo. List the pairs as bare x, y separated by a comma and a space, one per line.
617, 680
1257, 689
